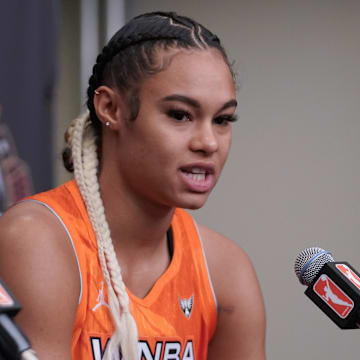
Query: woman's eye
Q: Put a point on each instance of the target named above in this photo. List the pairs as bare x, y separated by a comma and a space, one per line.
179, 115
225, 119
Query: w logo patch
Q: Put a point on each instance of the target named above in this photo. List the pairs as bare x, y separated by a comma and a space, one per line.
187, 305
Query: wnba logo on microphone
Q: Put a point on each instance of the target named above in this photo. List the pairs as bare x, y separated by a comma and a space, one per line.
345, 270
333, 296
5, 299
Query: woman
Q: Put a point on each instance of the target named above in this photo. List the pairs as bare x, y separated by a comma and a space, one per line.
161, 101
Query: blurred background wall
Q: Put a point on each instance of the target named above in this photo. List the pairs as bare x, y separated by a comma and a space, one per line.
28, 65
292, 179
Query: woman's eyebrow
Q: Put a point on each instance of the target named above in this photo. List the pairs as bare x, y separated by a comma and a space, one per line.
182, 98
189, 101
231, 103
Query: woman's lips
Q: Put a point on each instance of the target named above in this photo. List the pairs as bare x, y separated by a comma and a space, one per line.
198, 179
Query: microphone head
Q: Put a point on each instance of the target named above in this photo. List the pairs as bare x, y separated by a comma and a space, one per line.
309, 262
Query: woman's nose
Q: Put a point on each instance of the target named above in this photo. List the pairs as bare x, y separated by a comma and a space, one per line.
204, 139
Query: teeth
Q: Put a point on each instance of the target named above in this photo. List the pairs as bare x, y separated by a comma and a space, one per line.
198, 171
196, 177
196, 174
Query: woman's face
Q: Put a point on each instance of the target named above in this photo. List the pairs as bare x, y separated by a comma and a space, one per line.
174, 152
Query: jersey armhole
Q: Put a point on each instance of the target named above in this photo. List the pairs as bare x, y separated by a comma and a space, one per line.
68, 234
206, 264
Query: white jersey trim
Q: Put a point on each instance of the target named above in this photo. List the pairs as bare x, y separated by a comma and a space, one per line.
68, 234
206, 263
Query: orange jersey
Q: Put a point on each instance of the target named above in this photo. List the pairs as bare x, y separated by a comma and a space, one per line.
175, 320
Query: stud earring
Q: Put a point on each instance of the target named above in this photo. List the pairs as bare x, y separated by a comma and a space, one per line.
97, 92
107, 123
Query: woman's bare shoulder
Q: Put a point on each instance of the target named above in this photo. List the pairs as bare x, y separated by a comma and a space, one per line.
29, 226
241, 313
38, 264
27, 214
33, 242
223, 252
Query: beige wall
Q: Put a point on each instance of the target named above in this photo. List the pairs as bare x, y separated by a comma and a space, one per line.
292, 180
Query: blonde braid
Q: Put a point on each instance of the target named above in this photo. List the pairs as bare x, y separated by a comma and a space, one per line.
86, 168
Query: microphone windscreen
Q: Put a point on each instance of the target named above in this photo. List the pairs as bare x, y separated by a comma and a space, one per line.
309, 262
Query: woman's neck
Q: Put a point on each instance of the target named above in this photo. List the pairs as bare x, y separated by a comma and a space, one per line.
134, 222
139, 234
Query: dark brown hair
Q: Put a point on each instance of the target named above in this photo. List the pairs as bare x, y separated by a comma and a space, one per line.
130, 56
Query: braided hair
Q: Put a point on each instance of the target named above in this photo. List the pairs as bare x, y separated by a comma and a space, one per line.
128, 58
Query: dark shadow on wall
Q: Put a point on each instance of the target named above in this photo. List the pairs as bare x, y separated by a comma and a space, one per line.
28, 36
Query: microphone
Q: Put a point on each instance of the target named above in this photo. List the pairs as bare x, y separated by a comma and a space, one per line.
14, 345
334, 286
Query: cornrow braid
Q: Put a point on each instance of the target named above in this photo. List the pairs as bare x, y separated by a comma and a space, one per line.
130, 56
144, 33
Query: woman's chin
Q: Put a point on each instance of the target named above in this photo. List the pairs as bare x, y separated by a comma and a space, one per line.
194, 202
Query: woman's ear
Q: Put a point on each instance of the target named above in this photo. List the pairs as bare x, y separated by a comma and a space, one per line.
109, 106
